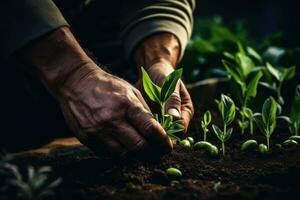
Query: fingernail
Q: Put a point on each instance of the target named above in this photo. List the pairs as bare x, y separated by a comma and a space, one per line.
174, 112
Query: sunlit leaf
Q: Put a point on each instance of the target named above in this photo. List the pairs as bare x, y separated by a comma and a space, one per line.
275, 72
169, 84
152, 90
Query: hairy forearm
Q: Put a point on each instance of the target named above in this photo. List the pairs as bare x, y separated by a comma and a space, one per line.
54, 57
162, 47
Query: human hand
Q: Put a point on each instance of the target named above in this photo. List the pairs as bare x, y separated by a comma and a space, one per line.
106, 111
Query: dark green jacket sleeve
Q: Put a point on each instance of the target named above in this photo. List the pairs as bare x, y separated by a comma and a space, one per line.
144, 18
23, 21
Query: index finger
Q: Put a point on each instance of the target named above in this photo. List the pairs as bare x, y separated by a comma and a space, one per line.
149, 128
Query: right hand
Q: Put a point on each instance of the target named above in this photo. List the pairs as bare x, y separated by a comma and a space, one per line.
106, 112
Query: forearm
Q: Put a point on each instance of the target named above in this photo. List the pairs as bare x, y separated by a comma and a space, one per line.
54, 57
161, 47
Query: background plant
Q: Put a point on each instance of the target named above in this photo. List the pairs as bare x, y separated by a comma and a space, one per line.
280, 75
160, 95
245, 77
205, 123
226, 107
266, 120
295, 113
35, 185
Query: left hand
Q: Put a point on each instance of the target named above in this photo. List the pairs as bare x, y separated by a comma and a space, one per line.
179, 105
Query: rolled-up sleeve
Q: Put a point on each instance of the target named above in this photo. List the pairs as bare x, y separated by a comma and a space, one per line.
23, 21
144, 18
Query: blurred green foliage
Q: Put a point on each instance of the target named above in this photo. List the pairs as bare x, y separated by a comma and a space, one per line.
212, 37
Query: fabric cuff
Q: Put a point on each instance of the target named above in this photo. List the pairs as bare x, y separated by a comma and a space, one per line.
147, 28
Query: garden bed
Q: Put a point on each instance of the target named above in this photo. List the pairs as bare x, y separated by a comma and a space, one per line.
237, 175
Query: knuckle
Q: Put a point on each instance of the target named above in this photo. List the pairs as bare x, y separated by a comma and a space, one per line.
174, 100
104, 115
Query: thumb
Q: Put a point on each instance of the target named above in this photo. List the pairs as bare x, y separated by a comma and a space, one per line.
173, 105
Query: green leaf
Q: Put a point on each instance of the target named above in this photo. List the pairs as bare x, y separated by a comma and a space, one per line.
252, 86
245, 64
288, 73
152, 90
254, 54
241, 48
269, 114
227, 109
248, 113
207, 117
275, 72
295, 109
232, 71
228, 134
203, 46
169, 84
229, 55
218, 132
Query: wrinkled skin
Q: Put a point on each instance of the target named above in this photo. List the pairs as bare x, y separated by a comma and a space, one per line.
105, 112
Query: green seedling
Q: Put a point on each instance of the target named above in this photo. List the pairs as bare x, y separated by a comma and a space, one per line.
244, 76
205, 123
185, 143
212, 149
34, 186
249, 145
295, 113
280, 75
217, 186
266, 120
173, 172
160, 95
226, 107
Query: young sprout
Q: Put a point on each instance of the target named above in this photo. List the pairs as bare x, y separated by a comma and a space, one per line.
205, 123
227, 109
280, 75
34, 186
295, 113
266, 120
160, 95
244, 76
217, 186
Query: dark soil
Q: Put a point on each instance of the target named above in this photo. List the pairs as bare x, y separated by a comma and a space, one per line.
241, 175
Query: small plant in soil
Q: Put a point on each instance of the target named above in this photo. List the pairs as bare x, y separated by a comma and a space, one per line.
295, 113
226, 107
280, 75
244, 76
35, 185
266, 120
205, 123
160, 95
